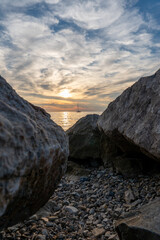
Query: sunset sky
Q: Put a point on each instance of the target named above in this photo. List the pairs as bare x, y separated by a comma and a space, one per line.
57, 53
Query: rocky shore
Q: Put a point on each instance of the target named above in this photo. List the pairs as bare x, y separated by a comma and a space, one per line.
112, 184
86, 205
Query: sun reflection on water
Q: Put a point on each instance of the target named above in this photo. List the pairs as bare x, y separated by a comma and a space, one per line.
65, 120
68, 119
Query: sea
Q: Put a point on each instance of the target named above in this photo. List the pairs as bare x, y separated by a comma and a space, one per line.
68, 119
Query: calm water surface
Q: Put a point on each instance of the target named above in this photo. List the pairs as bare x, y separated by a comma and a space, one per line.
67, 119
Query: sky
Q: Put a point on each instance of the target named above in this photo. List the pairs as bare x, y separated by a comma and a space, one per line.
60, 53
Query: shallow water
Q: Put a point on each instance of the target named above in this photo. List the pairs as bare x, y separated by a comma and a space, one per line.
68, 119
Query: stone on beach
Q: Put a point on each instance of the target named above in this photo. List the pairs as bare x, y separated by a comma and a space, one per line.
71, 209
129, 197
144, 224
98, 232
84, 140
131, 124
33, 156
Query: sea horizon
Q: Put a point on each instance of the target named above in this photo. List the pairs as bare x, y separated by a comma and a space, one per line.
67, 119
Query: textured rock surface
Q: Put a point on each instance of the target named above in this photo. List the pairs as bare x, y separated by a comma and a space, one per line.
144, 225
33, 154
84, 140
132, 123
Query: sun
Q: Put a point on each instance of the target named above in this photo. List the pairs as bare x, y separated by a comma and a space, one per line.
65, 93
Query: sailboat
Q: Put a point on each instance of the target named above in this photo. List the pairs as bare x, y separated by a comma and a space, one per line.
78, 110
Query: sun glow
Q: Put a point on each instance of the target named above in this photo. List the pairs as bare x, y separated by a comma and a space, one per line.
65, 93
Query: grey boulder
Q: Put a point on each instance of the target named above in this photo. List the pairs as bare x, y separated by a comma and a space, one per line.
131, 124
144, 224
84, 140
33, 156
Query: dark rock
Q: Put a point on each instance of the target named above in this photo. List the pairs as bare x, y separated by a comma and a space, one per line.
84, 179
132, 128
84, 141
40, 237
142, 225
33, 156
79, 171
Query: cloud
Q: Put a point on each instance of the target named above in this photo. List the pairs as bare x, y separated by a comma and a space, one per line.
95, 49
25, 3
131, 80
47, 86
94, 91
91, 14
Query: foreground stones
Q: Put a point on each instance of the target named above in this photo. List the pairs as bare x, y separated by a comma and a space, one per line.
131, 125
33, 154
142, 225
84, 141
100, 200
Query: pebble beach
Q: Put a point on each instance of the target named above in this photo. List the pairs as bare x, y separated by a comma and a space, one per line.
86, 205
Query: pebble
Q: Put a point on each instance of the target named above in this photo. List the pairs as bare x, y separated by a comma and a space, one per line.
129, 197
107, 234
45, 232
113, 237
49, 224
40, 237
71, 209
44, 219
98, 232
86, 207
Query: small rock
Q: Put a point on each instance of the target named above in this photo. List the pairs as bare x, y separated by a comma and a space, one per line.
71, 209
129, 197
34, 217
83, 207
84, 179
40, 237
107, 234
91, 211
49, 224
99, 225
53, 218
98, 232
105, 220
85, 233
135, 203
113, 237
118, 210
44, 219
45, 232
